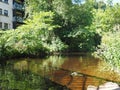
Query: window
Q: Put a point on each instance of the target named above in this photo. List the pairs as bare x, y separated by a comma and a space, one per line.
0, 11
5, 25
6, 12
0, 25
5, 1
18, 6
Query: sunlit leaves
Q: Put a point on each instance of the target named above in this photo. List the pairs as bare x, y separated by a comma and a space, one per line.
109, 50
34, 38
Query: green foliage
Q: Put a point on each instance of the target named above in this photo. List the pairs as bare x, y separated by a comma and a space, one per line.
109, 50
107, 24
116, 14
73, 15
67, 14
105, 20
36, 6
35, 38
73, 19
41, 25
102, 21
66, 26
69, 17
83, 40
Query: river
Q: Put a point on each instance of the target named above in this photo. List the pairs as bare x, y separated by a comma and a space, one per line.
65, 70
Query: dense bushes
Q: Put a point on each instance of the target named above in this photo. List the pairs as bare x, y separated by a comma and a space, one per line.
82, 40
109, 49
38, 37
33, 39
107, 24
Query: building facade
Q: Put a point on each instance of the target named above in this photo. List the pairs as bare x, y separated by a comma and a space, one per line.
11, 13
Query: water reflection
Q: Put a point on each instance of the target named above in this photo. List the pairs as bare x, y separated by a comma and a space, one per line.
16, 75
27, 72
84, 64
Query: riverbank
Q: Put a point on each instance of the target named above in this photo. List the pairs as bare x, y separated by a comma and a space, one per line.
44, 55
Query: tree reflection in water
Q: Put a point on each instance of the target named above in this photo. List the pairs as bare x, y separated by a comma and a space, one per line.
13, 79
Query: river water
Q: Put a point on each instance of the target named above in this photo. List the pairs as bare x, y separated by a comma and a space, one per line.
26, 73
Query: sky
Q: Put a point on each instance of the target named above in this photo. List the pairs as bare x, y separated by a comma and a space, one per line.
116, 1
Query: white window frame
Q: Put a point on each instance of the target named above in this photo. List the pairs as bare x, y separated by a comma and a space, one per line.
6, 12
0, 11
6, 26
1, 25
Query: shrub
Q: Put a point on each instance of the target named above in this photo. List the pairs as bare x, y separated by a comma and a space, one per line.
35, 38
109, 50
82, 40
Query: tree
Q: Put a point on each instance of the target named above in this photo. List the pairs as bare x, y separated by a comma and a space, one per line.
37, 6
68, 16
110, 2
